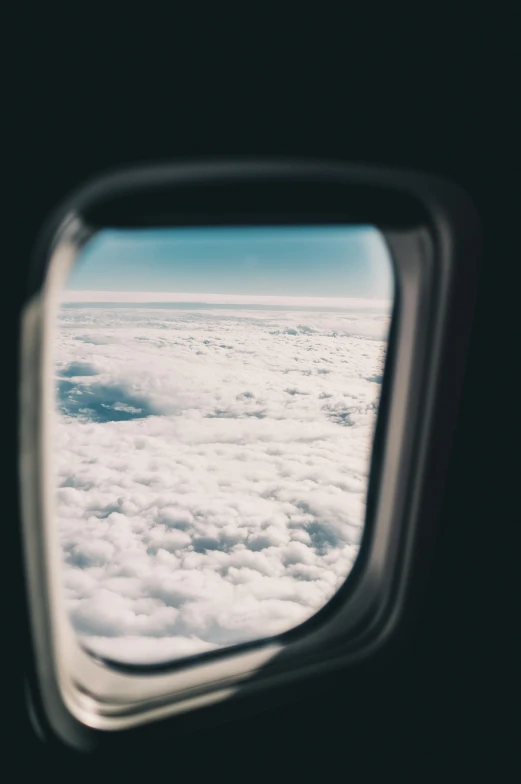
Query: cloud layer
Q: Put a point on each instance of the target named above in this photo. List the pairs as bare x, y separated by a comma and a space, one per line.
211, 470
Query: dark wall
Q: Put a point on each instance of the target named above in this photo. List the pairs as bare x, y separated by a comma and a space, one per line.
86, 93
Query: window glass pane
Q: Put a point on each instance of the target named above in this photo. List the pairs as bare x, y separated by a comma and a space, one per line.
216, 396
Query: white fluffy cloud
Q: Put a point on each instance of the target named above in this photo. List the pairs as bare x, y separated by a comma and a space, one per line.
211, 470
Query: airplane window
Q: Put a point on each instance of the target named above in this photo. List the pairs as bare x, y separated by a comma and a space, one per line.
216, 398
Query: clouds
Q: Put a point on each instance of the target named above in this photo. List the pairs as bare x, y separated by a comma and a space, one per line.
211, 470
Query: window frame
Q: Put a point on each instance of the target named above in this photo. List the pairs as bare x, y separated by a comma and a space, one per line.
431, 230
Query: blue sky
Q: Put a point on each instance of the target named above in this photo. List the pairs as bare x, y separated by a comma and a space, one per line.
322, 261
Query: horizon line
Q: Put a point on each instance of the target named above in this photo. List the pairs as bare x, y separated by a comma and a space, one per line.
79, 296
